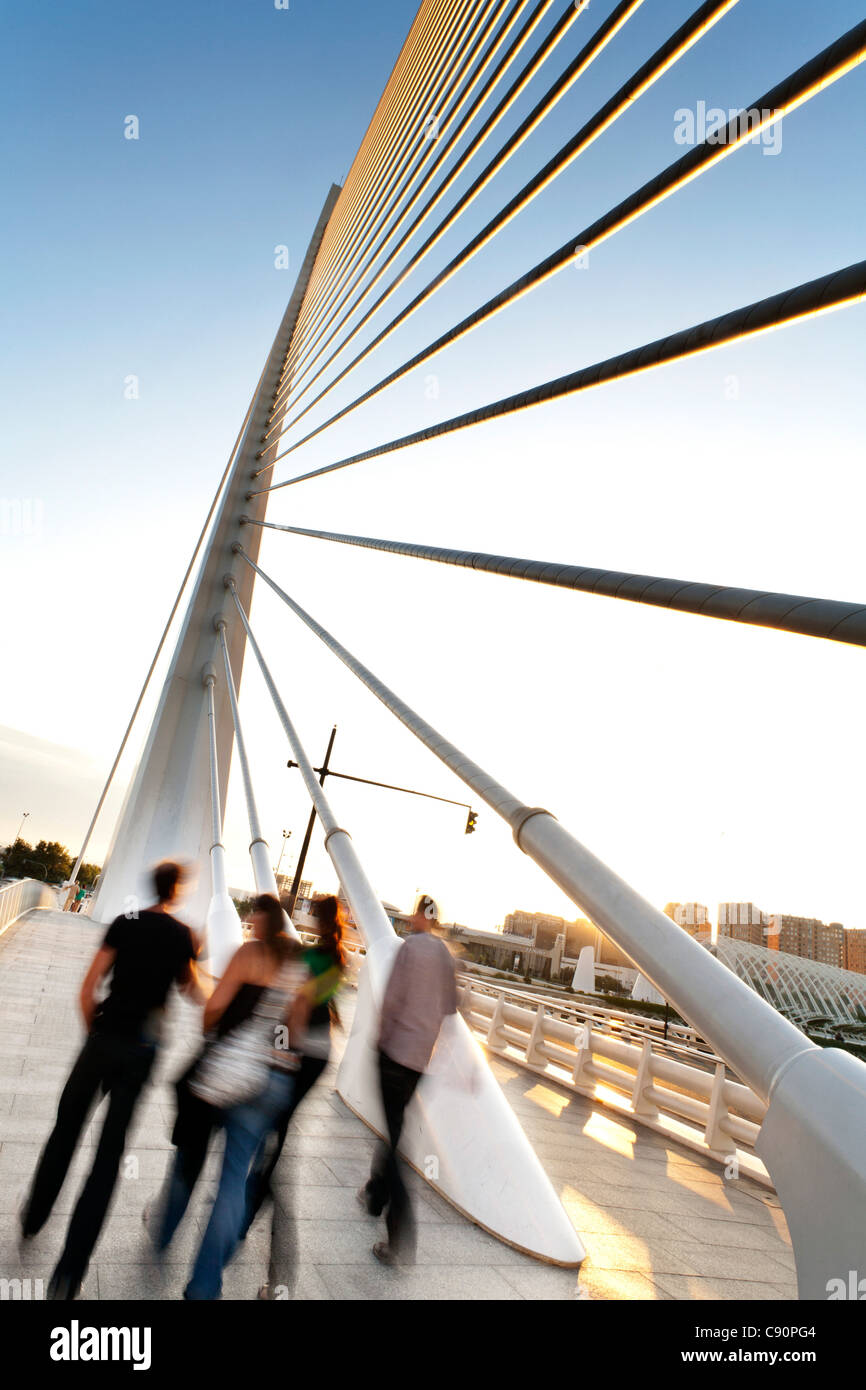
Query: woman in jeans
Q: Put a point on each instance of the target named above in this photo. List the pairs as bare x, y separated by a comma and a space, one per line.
326, 962
270, 961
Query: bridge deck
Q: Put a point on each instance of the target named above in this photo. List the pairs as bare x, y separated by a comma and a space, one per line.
658, 1222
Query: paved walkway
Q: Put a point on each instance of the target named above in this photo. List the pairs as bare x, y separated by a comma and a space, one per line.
658, 1221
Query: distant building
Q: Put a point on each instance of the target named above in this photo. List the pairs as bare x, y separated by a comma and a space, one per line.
542, 944
830, 944
796, 936
524, 923
285, 881
579, 934
855, 950
692, 917
742, 922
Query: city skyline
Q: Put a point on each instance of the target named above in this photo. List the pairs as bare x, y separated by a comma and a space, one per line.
766, 923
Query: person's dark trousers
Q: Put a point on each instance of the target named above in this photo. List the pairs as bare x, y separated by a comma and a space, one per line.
259, 1181
385, 1189
118, 1068
193, 1128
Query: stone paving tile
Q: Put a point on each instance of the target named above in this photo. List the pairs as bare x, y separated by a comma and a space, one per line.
309, 1286
645, 1225
313, 1172
688, 1287
712, 1203
614, 1284
369, 1281
733, 1262
628, 1252
330, 1146
657, 1218
742, 1234
350, 1172
336, 1203
537, 1281
130, 1282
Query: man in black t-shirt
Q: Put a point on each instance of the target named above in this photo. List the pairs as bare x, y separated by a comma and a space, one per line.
145, 954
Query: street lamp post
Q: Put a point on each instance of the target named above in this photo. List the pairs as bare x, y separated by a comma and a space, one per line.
326, 771
20, 828
287, 835
296, 882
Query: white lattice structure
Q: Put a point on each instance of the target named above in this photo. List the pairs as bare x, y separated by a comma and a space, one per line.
801, 989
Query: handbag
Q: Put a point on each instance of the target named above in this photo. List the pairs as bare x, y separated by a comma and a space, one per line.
235, 1069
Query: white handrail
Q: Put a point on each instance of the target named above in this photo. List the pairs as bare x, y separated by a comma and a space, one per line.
21, 896
696, 1104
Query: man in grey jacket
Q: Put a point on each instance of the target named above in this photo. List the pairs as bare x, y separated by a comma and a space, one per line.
421, 992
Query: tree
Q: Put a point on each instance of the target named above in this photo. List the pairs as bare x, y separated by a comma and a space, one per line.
15, 858
53, 859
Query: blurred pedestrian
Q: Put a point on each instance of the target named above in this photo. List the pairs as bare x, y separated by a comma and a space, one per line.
144, 953
326, 962
421, 992
248, 1074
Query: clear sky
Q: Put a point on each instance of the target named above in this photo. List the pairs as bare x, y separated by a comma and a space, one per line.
700, 759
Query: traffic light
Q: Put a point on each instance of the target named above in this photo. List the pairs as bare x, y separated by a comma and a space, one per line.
471, 822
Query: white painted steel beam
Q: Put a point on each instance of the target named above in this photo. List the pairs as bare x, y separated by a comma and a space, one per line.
224, 933
260, 853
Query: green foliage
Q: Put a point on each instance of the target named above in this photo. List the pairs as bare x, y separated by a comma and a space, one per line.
609, 984
49, 860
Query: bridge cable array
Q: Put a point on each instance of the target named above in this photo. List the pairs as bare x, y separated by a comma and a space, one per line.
834, 291
410, 108
335, 287
611, 904
812, 617
576, 68
542, 109
811, 78
680, 967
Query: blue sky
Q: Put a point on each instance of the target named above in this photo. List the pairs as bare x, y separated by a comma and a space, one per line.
699, 759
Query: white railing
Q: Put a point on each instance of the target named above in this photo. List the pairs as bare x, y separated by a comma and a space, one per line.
699, 1105
630, 1026
19, 897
